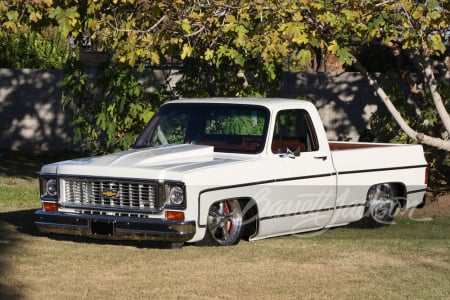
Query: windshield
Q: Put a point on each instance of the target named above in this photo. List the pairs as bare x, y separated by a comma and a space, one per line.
228, 127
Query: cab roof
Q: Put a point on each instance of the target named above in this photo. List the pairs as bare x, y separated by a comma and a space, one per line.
267, 102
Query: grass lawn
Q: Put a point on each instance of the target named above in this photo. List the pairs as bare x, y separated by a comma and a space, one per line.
408, 260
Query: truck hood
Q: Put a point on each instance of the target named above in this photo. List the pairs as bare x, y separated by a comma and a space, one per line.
153, 157
141, 162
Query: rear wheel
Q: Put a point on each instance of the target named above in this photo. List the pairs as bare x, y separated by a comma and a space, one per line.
381, 205
224, 224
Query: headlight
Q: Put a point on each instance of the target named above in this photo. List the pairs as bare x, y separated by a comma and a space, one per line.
49, 187
175, 194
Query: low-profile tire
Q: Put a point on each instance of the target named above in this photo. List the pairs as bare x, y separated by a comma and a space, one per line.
381, 206
224, 223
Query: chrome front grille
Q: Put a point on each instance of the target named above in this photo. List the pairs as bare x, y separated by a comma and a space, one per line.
110, 194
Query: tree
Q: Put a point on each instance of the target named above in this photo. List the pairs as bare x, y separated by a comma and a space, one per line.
420, 29
235, 46
244, 34
28, 39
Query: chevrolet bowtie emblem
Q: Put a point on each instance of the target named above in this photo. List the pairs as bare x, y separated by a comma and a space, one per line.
109, 194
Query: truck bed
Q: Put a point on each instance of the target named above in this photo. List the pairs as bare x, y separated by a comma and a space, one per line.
363, 164
372, 156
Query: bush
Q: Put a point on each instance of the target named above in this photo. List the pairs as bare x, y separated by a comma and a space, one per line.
46, 50
109, 106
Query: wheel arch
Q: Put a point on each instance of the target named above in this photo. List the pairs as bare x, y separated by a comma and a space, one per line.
251, 217
382, 199
398, 190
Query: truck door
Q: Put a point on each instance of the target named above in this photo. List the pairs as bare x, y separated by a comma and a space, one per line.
303, 194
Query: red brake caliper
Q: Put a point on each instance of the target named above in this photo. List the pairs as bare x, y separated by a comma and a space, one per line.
226, 209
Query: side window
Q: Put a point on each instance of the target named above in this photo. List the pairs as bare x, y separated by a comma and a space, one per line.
294, 132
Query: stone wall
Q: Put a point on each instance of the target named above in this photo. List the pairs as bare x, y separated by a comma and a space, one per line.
31, 114
32, 117
345, 101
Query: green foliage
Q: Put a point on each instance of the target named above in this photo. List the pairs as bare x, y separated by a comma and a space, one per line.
204, 79
223, 49
29, 37
67, 19
34, 50
109, 106
236, 33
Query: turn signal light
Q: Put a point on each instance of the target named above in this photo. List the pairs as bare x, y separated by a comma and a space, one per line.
50, 206
175, 215
427, 175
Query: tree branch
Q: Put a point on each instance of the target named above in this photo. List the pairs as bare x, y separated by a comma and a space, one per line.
137, 30
195, 32
432, 84
417, 136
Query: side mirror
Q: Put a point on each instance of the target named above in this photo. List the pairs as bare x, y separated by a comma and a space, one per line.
296, 152
291, 154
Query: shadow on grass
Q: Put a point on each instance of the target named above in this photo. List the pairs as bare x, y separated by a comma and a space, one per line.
17, 228
10, 293
27, 164
10, 224
137, 244
23, 222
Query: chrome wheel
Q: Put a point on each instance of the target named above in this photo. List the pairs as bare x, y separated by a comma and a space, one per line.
381, 205
224, 223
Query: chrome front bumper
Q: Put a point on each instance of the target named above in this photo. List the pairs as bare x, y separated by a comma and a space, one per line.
115, 228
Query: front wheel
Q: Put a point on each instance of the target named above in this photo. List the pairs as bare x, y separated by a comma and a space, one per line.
224, 224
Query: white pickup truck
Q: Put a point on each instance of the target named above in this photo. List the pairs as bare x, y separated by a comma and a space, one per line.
219, 170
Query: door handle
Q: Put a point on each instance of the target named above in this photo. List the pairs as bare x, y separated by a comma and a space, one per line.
324, 158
